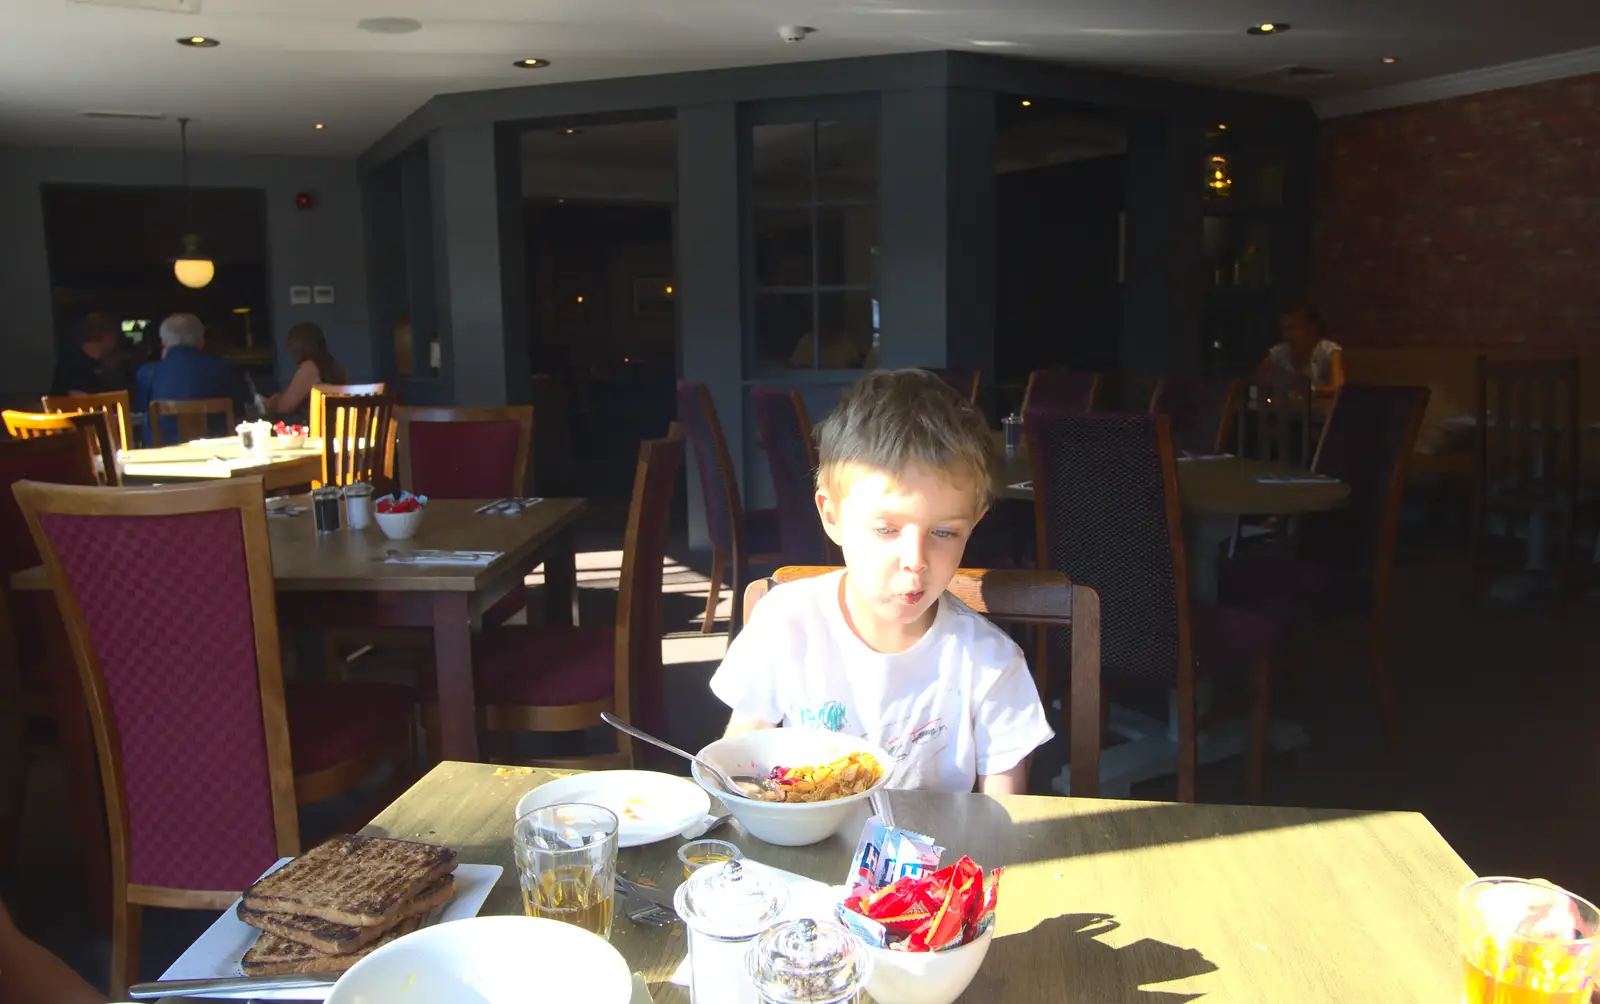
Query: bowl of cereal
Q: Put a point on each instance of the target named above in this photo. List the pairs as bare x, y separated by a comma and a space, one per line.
820, 776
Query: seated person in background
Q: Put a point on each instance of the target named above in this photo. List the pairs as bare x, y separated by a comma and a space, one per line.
1306, 352
880, 650
91, 365
313, 364
28, 973
185, 373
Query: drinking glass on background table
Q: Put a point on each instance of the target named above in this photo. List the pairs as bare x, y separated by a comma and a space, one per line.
1012, 424
696, 854
1527, 942
567, 863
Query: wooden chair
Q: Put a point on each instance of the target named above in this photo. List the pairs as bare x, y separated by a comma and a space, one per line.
113, 402
204, 751
1062, 391
738, 536
1274, 419
1108, 514
96, 426
785, 428
465, 453
193, 417
559, 678
1529, 452
322, 390
1201, 408
358, 437
968, 383
1023, 596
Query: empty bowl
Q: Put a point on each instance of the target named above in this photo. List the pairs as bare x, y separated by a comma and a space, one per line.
490, 960
399, 525
787, 824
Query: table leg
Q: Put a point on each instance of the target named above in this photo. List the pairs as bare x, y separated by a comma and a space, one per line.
452, 658
1204, 537
561, 581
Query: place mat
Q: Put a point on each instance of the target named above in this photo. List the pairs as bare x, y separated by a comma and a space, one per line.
508, 506
1022, 486
440, 557
1295, 479
1205, 456
286, 510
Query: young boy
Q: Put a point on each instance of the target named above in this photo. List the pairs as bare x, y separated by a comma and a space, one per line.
880, 650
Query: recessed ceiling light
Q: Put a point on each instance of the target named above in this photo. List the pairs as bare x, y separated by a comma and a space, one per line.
389, 25
531, 63
1026, 103
1223, 126
572, 132
199, 42
991, 43
1390, 60
1268, 28
317, 126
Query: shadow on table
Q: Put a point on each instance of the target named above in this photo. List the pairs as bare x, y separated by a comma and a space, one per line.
1063, 959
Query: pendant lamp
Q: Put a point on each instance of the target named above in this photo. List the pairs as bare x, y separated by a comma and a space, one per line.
191, 267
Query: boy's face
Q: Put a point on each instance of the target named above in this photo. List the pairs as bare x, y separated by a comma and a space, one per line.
902, 536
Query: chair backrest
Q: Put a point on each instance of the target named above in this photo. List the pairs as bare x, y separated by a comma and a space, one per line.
1023, 596
792, 458
1061, 391
322, 390
98, 443
718, 487
193, 418
114, 402
1530, 426
189, 724
968, 383
465, 453
1201, 409
1107, 511
358, 436
640, 686
1273, 419
1369, 439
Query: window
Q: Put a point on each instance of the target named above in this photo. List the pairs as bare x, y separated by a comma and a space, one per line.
814, 232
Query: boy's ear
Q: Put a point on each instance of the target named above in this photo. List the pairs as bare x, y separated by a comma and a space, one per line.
828, 511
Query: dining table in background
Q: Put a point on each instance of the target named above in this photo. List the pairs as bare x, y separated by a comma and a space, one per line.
1100, 897
222, 457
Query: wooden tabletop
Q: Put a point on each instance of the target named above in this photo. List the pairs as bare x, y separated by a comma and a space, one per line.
1100, 899
205, 459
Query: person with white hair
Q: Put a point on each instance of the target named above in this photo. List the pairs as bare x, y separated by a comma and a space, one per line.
185, 373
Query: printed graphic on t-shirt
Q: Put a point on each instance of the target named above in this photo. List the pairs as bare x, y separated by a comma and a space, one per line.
831, 716
926, 739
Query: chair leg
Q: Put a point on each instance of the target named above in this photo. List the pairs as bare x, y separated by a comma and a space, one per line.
737, 577
1188, 742
1260, 727
719, 562
1383, 680
126, 920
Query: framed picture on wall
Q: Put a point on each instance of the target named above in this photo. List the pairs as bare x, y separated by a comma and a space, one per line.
652, 297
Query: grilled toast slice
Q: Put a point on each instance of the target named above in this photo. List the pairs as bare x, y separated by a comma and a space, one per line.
353, 880
272, 955
342, 939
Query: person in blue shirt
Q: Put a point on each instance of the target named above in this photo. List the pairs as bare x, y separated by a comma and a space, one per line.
185, 373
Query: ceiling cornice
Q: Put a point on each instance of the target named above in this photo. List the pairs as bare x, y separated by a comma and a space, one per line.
1489, 78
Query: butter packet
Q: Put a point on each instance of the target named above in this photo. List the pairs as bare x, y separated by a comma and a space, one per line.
886, 854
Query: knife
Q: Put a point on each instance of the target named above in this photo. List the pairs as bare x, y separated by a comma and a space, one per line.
649, 894
230, 984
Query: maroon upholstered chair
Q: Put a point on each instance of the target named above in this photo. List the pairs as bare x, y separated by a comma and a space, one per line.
204, 752
792, 460
1201, 409
560, 678
1109, 517
738, 537
465, 453
1061, 392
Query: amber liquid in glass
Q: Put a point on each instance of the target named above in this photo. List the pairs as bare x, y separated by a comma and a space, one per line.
573, 896
1517, 985
698, 862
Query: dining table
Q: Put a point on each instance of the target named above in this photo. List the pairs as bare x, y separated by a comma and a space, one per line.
223, 457
1102, 901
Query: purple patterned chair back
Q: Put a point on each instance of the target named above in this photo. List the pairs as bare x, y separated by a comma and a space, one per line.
642, 696
712, 463
179, 704
785, 435
1060, 392
1103, 483
1200, 408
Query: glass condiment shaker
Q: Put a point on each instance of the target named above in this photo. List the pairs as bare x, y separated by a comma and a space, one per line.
358, 505
725, 907
808, 962
325, 508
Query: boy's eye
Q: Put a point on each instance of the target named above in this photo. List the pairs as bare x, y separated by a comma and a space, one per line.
883, 531
946, 534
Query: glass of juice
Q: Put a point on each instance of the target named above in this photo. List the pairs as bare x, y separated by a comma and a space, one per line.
567, 864
1525, 941
696, 854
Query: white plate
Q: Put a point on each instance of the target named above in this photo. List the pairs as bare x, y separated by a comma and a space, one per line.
649, 806
217, 952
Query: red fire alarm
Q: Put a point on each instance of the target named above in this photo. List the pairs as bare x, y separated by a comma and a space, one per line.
305, 200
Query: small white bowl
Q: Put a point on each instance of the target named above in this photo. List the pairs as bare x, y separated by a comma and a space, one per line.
926, 977
490, 960
399, 525
290, 442
787, 824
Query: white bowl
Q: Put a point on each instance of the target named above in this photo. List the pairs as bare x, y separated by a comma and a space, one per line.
490, 960
787, 824
289, 442
399, 525
926, 977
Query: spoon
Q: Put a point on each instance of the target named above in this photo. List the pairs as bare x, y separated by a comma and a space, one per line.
740, 785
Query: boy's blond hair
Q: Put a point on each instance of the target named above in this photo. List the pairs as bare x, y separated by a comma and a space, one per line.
891, 420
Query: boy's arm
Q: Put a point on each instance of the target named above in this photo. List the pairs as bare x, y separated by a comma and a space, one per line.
1010, 782
739, 724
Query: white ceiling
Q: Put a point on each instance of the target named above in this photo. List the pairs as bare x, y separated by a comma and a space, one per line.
286, 64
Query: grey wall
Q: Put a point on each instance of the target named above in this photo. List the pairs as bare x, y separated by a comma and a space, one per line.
321, 246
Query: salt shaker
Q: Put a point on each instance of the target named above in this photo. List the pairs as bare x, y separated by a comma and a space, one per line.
725, 907
325, 508
358, 505
808, 962
1013, 427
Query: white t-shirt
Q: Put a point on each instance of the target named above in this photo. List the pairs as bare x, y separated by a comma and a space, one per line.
1319, 366
958, 704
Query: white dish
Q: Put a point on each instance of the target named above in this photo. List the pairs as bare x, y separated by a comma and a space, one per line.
649, 806
490, 960
926, 977
217, 952
788, 824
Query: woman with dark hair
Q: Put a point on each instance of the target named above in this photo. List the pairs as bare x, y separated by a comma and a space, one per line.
1305, 351
314, 364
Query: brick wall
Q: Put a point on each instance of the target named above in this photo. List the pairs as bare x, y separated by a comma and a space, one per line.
1470, 221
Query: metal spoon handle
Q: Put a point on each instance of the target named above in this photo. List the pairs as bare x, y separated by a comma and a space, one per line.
622, 726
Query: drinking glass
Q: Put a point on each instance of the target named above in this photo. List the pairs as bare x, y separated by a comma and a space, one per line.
1527, 942
1013, 429
696, 854
567, 864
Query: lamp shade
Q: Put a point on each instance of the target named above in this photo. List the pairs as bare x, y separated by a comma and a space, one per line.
194, 272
